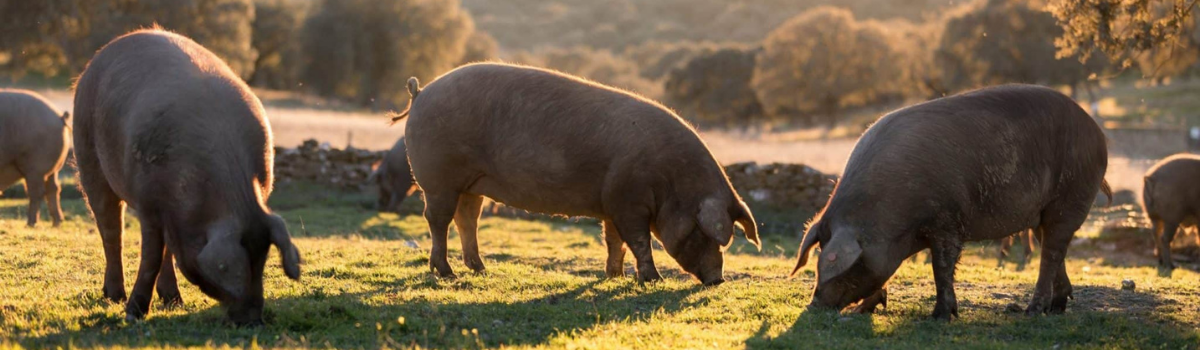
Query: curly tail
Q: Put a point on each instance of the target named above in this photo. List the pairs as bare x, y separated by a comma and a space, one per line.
414, 88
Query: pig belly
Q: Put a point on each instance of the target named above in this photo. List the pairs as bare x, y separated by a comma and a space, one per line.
537, 198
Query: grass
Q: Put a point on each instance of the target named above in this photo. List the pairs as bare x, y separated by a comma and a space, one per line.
366, 285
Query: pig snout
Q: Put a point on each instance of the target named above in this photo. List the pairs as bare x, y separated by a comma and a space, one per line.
245, 315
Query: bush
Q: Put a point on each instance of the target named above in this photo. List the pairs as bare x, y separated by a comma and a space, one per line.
714, 88
823, 61
480, 47
276, 37
59, 37
1007, 41
597, 65
365, 50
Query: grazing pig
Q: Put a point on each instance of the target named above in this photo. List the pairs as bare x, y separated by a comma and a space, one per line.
164, 126
34, 140
548, 142
394, 179
1172, 200
975, 166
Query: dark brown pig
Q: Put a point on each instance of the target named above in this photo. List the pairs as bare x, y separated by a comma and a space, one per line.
164, 126
970, 167
1172, 200
34, 140
394, 179
548, 142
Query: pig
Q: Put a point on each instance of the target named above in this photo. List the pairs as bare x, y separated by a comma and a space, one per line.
974, 166
1171, 201
545, 141
394, 179
1006, 243
34, 141
164, 126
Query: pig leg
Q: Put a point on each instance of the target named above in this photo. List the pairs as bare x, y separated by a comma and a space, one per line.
53, 191
167, 286
635, 231
1054, 250
109, 212
1027, 239
383, 203
1164, 245
869, 304
1062, 290
153, 250
439, 211
615, 266
35, 187
1005, 245
466, 218
945, 257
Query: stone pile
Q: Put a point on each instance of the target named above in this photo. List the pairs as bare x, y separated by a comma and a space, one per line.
312, 162
793, 186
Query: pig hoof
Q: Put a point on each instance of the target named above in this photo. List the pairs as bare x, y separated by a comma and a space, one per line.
475, 265
611, 273
115, 296
171, 302
945, 315
651, 276
1036, 308
132, 315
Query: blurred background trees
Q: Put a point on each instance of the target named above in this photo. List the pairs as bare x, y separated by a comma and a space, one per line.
56, 37
823, 61
365, 50
720, 63
713, 88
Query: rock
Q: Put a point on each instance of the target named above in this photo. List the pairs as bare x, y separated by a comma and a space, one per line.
1128, 284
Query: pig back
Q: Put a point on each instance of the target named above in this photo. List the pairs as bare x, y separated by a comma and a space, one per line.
153, 100
546, 141
29, 125
995, 157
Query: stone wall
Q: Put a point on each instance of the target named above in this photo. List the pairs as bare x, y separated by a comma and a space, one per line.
346, 169
791, 192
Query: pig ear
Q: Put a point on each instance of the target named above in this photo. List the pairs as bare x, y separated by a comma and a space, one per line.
283, 241
746, 220
811, 238
715, 222
838, 256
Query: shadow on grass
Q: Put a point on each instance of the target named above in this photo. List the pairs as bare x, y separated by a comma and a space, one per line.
1098, 317
374, 319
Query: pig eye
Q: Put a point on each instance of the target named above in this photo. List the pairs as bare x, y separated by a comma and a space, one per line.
222, 267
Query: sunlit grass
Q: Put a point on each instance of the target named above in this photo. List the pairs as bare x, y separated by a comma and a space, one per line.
364, 285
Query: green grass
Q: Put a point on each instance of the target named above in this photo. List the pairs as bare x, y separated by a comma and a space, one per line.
364, 285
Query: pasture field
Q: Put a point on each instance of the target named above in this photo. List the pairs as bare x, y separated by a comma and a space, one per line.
366, 284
